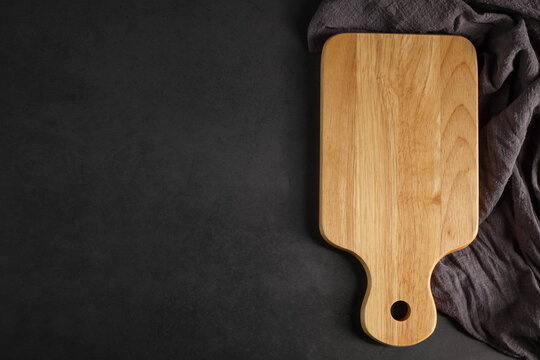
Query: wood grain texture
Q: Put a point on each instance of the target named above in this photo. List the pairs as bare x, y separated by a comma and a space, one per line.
399, 166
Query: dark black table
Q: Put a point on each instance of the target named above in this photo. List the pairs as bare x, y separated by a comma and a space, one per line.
159, 189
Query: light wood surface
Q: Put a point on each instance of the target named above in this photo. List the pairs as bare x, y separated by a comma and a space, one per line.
399, 166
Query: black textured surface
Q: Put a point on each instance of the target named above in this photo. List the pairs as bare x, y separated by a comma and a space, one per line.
159, 189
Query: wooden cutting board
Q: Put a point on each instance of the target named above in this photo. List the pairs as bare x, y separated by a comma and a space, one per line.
399, 167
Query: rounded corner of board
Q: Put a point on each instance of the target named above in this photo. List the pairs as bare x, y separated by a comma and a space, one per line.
466, 41
335, 38
467, 44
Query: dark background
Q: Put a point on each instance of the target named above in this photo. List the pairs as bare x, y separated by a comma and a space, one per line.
159, 189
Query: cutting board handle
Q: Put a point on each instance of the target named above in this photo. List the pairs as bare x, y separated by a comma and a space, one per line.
402, 316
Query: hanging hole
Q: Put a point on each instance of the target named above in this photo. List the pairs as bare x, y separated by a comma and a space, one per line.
400, 310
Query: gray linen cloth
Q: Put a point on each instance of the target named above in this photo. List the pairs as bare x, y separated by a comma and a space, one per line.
492, 287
